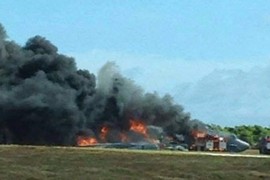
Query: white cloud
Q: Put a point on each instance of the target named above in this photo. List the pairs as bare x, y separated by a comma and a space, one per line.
230, 97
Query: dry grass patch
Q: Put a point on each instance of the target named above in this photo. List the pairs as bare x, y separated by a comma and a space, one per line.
31, 162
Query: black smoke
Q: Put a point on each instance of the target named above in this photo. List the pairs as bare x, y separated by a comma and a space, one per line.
46, 99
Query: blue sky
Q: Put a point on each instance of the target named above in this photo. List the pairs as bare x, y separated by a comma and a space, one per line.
190, 49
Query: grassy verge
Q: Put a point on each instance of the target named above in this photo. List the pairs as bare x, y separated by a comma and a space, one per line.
31, 162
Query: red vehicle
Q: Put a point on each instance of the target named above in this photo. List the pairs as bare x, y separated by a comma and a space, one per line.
264, 145
207, 142
213, 142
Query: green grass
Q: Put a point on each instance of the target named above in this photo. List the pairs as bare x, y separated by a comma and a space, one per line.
32, 162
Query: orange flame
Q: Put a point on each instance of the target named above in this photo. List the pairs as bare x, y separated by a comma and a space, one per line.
86, 141
138, 127
123, 137
141, 128
103, 132
198, 134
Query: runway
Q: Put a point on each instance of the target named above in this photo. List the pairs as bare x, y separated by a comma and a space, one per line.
229, 154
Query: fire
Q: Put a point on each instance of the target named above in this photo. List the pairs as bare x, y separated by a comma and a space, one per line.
141, 128
103, 132
198, 134
138, 127
86, 141
123, 137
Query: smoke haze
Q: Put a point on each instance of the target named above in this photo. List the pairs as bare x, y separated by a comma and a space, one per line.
45, 99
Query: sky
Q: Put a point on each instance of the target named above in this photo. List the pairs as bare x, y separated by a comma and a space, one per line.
211, 56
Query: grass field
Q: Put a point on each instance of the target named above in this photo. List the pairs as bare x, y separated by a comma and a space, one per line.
32, 162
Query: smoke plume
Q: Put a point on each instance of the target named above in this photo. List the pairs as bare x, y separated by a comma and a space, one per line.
45, 99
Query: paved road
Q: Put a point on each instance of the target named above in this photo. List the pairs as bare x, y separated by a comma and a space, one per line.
230, 154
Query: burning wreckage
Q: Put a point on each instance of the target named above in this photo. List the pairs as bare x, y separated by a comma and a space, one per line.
136, 137
46, 100
145, 137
